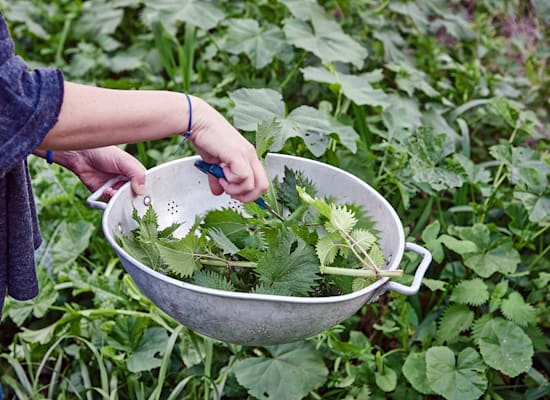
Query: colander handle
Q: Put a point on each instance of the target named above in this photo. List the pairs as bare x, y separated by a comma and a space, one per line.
93, 200
418, 275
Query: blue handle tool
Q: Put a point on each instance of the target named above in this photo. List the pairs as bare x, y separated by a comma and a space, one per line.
217, 171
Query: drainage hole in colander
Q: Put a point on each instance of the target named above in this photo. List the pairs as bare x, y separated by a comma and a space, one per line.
172, 207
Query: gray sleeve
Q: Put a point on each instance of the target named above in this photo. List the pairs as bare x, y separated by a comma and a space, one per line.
30, 102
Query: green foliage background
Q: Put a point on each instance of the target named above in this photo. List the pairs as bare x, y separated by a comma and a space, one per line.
440, 106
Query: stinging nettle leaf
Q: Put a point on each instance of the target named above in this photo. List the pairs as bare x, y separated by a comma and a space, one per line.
180, 256
457, 318
341, 220
473, 292
517, 310
222, 241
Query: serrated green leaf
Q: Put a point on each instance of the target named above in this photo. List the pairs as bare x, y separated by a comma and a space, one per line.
259, 43
180, 256
473, 292
290, 263
457, 318
414, 370
517, 310
146, 253
265, 136
147, 225
377, 255
363, 238
290, 373
287, 193
503, 345
222, 241
341, 220
326, 250
456, 379
213, 280
361, 283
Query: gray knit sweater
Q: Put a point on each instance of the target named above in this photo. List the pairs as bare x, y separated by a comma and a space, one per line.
30, 102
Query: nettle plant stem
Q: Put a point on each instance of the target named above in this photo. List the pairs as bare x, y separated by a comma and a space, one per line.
361, 273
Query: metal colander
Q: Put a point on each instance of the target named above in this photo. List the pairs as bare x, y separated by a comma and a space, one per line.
179, 192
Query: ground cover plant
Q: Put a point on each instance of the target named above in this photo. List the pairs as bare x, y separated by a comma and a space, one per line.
440, 106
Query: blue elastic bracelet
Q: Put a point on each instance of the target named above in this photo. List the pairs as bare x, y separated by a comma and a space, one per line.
188, 133
49, 156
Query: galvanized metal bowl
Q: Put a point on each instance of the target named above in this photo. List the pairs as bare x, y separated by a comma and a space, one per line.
179, 192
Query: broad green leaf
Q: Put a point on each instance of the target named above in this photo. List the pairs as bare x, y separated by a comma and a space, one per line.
72, 239
180, 256
387, 380
503, 259
291, 264
18, 311
458, 246
504, 345
410, 79
393, 42
204, 14
253, 106
414, 370
256, 105
305, 10
430, 238
325, 39
456, 379
260, 44
473, 292
537, 205
355, 87
457, 318
314, 127
290, 373
143, 356
434, 284
517, 310
98, 18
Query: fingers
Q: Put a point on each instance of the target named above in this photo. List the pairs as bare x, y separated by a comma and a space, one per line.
246, 179
133, 169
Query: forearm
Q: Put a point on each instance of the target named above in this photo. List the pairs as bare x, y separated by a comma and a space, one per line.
94, 117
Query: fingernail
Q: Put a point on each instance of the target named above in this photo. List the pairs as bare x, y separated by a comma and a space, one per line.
140, 189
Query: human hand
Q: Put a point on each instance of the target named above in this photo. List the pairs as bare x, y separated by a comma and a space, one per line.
218, 142
96, 166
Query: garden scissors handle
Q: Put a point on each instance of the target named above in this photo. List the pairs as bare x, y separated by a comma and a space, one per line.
217, 171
